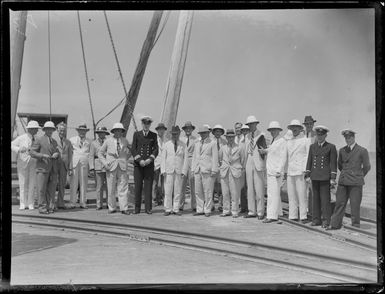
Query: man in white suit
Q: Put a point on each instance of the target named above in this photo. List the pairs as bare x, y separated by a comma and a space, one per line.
158, 192
255, 169
171, 166
189, 140
81, 150
232, 157
114, 155
297, 152
205, 168
275, 167
218, 131
26, 165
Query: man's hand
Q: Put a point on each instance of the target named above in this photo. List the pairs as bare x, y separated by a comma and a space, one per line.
142, 163
285, 176
70, 172
23, 149
147, 161
55, 155
46, 156
213, 173
278, 174
92, 172
333, 182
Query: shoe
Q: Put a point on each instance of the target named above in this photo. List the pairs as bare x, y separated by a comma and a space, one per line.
181, 209
99, 208
207, 214
324, 226
225, 214
198, 213
220, 209
148, 212
111, 211
61, 207
329, 228
356, 225
250, 216
125, 212
293, 219
178, 213
213, 208
50, 210
243, 210
167, 213
194, 210
136, 212
313, 224
83, 207
235, 215
43, 212
31, 207
261, 217
269, 220
22, 207
303, 221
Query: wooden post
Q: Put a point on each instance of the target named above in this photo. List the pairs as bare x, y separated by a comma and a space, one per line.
18, 25
175, 76
132, 96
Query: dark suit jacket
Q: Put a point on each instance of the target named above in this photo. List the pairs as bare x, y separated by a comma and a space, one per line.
66, 152
322, 162
354, 166
40, 147
144, 147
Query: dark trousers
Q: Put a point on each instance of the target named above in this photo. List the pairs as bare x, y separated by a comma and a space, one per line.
310, 200
158, 190
46, 186
321, 210
342, 196
244, 206
143, 176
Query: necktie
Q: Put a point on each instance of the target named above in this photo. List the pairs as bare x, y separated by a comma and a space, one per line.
102, 141
175, 146
145, 134
33, 139
81, 144
251, 146
218, 146
188, 140
118, 147
272, 141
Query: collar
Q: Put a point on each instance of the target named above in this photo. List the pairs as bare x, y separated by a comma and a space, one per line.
144, 132
322, 144
352, 146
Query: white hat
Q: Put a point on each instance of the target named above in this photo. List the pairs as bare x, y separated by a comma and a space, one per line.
33, 124
295, 122
203, 129
321, 128
288, 135
117, 126
49, 125
218, 127
347, 131
274, 125
207, 126
245, 127
147, 118
251, 119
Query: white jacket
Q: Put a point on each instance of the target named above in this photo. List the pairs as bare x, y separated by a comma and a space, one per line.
205, 158
259, 163
158, 159
80, 154
276, 156
232, 162
22, 158
172, 161
297, 152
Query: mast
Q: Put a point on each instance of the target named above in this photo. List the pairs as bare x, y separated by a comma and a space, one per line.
132, 96
18, 25
175, 76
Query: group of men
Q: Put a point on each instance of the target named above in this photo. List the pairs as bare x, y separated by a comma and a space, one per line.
238, 162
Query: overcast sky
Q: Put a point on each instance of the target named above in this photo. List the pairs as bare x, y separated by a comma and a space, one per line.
274, 64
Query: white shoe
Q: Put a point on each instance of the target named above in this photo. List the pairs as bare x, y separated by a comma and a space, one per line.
22, 207
31, 207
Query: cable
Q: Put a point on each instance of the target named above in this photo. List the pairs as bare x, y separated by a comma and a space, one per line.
85, 70
161, 30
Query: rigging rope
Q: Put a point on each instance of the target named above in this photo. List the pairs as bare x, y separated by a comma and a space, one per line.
131, 111
116, 58
86, 72
49, 68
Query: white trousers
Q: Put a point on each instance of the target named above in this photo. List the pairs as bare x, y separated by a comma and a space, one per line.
79, 177
255, 189
274, 202
173, 185
204, 186
27, 182
117, 184
296, 190
231, 190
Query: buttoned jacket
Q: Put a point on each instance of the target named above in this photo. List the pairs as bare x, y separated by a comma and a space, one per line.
144, 147
22, 158
95, 162
109, 155
80, 152
173, 161
276, 159
258, 143
205, 157
42, 146
297, 154
66, 153
158, 158
322, 162
232, 160
190, 147
354, 166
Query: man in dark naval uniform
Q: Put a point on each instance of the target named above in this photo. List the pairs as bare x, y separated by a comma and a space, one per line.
322, 169
144, 150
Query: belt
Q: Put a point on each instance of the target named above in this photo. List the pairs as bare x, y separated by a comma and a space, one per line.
95, 157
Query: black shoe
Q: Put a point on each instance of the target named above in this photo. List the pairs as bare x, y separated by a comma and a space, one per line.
181, 209
194, 210
178, 213
313, 224
198, 213
325, 225
269, 220
356, 225
43, 212
261, 217
83, 207
99, 208
303, 221
329, 228
111, 211
293, 219
148, 212
250, 216
207, 214
167, 213
126, 212
220, 209
243, 210
213, 208
136, 212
